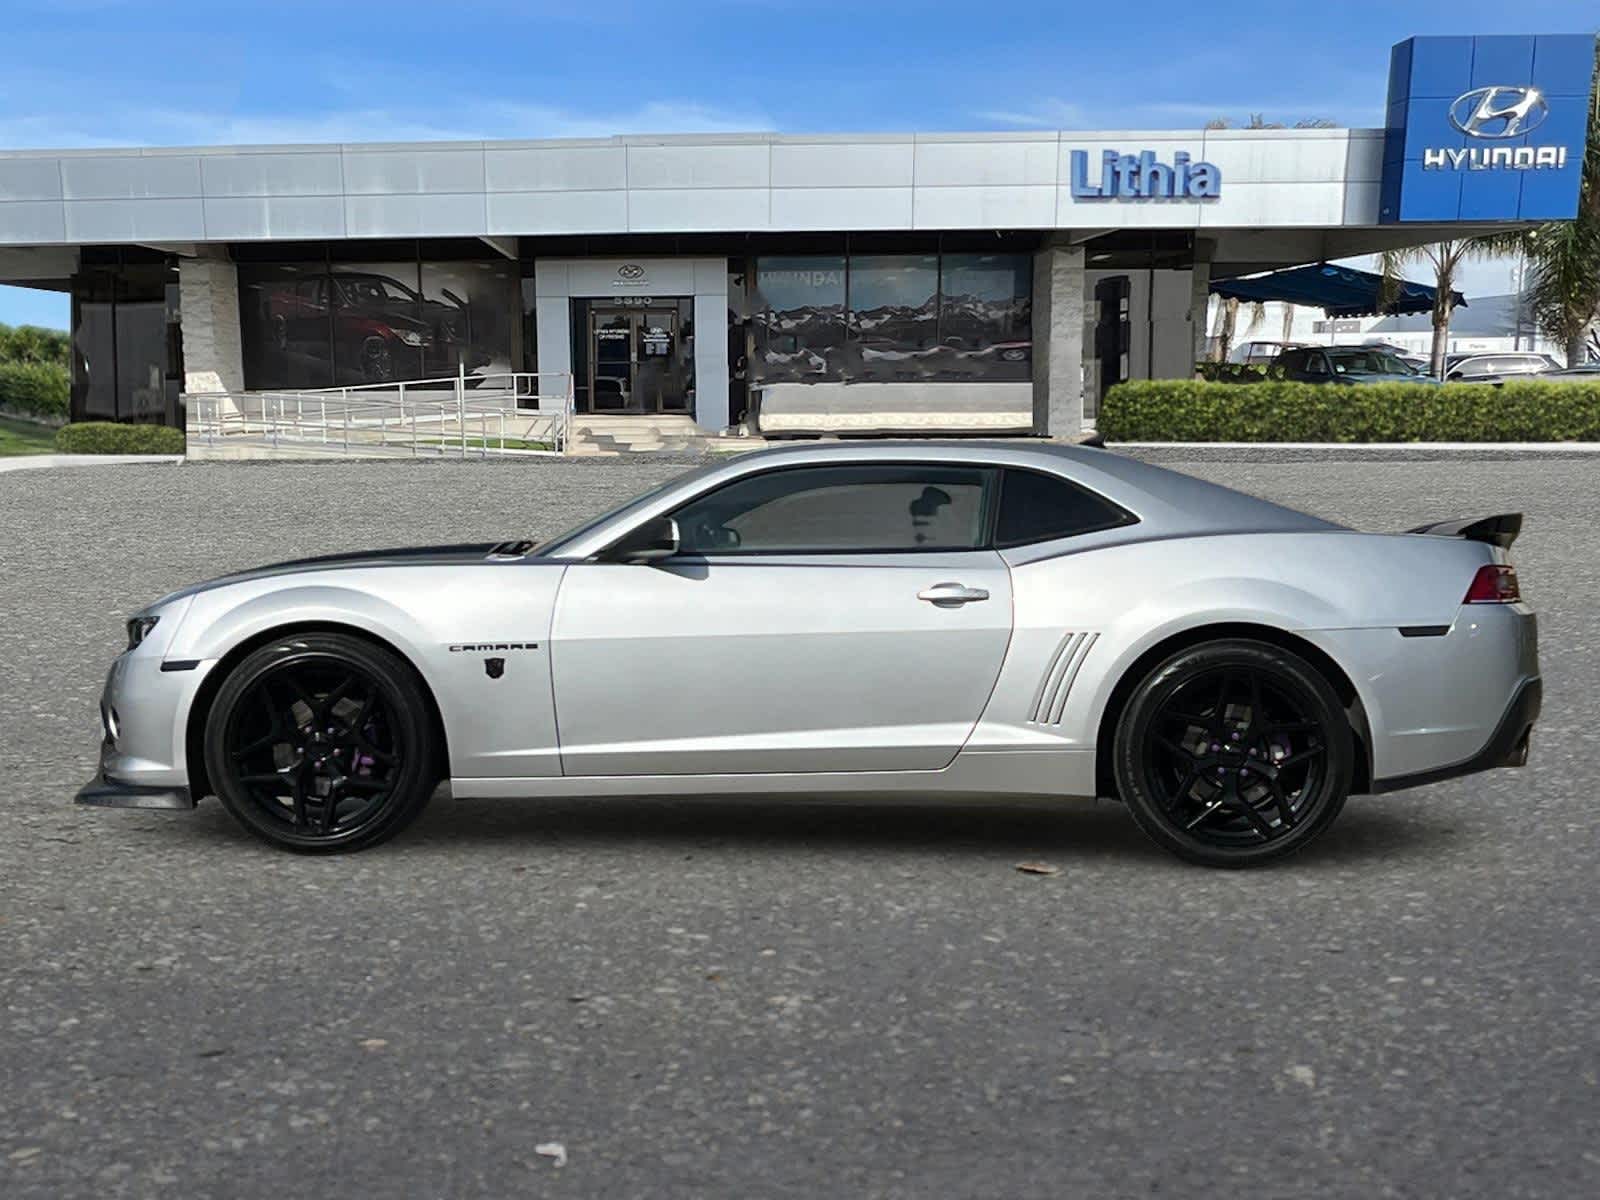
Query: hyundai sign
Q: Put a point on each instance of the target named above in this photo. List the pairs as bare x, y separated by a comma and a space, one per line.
1486, 128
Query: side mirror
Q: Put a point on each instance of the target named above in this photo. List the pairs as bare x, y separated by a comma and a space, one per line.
653, 539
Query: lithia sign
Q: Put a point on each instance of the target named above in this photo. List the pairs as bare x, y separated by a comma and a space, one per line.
1143, 177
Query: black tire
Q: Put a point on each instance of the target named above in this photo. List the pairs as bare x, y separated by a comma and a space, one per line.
322, 742
1234, 753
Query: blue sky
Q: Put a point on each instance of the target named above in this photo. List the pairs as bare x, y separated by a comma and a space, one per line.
174, 72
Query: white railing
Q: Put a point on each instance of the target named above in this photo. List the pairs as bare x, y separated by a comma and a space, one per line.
500, 414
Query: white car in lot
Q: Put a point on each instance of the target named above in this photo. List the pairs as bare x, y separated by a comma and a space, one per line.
1496, 366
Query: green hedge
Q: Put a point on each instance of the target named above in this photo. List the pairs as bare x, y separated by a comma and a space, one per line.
1186, 410
108, 437
34, 389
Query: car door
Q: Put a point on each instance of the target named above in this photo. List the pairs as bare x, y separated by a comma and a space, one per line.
817, 618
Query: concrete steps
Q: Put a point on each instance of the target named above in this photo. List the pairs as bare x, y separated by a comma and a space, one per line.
666, 433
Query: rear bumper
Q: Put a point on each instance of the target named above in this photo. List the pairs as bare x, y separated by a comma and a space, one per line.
1507, 745
103, 792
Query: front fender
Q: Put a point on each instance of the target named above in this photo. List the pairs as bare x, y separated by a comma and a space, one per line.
438, 619
217, 624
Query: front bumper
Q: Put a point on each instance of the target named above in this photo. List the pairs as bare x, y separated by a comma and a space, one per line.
1507, 745
103, 792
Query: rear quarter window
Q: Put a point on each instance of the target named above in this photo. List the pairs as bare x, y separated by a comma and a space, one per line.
1035, 508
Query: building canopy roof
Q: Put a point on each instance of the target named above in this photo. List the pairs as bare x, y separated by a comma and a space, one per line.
1338, 291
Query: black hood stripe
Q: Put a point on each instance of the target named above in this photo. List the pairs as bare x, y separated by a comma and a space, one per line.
458, 552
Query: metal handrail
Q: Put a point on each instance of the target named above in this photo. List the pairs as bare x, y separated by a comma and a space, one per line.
400, 415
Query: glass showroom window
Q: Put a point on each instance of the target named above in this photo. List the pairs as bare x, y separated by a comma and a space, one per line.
894, 316
381, 329
285, 325
799, 319
467, 311
911, 317
985, 317
317, 325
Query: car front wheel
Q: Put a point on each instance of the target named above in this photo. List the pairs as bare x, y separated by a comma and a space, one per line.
1234, 753
322, 741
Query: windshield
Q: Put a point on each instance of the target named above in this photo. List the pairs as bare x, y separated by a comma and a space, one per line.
374, 290
1367, 362
554, 546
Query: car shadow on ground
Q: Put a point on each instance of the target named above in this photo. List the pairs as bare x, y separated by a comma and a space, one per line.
1369, 830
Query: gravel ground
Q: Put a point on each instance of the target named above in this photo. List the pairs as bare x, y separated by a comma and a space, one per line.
714, 999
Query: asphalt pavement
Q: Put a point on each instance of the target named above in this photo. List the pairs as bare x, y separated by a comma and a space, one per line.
709, 999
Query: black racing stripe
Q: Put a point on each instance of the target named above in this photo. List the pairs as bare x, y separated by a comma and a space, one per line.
458, 550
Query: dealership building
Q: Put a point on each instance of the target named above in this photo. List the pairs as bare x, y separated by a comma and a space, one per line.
798, 283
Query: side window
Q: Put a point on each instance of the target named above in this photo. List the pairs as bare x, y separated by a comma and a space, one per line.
1316, 364
1036, 508
1291, 360
839, 510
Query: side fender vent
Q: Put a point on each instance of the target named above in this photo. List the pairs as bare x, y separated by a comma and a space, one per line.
1050, 700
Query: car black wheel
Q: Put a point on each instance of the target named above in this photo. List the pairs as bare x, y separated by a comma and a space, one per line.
322, 742
377, 361
1234, 753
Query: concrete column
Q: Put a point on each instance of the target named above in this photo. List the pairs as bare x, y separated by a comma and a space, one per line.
711, 344
208, 296
1058, 307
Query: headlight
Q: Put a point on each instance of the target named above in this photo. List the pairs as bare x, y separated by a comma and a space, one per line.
139, 628
410, 337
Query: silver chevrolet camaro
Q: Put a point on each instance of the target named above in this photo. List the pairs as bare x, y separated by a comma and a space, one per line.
920, 620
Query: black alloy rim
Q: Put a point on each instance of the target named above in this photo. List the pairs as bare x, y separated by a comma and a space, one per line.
1235, 759
314, 744
379, 365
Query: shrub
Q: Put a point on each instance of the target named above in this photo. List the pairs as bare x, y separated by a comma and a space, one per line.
108, 437
1275, 410
34, 389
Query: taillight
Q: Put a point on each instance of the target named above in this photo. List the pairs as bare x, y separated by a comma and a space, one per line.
1493, 584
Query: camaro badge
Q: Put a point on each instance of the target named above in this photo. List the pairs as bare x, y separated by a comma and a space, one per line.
494, 667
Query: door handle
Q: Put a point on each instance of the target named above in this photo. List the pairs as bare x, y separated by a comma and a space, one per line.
951, 595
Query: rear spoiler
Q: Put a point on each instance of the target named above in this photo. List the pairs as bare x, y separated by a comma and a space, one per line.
1497, 531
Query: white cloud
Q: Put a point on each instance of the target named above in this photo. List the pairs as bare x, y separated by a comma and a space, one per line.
467, 119
1046, 113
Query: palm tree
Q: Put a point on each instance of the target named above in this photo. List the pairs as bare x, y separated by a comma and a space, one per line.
1445, 258
1227, 322
1564, 256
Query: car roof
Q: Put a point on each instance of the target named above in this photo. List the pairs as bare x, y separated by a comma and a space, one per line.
1167, 503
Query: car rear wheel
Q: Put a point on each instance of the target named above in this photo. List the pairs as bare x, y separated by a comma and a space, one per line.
1234, 753
322, 742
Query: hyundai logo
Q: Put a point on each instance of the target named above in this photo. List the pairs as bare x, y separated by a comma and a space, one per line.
1499, 112
630, 271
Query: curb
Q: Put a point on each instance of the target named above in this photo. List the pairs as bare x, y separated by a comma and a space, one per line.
1353, 451
23, 462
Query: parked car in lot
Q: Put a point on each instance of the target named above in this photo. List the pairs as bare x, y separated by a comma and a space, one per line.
1492, 367
920, 619
1258, 354
1586, 373
1417, 362
1344, 364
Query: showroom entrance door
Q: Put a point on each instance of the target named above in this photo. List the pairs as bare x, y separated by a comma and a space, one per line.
637, 361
